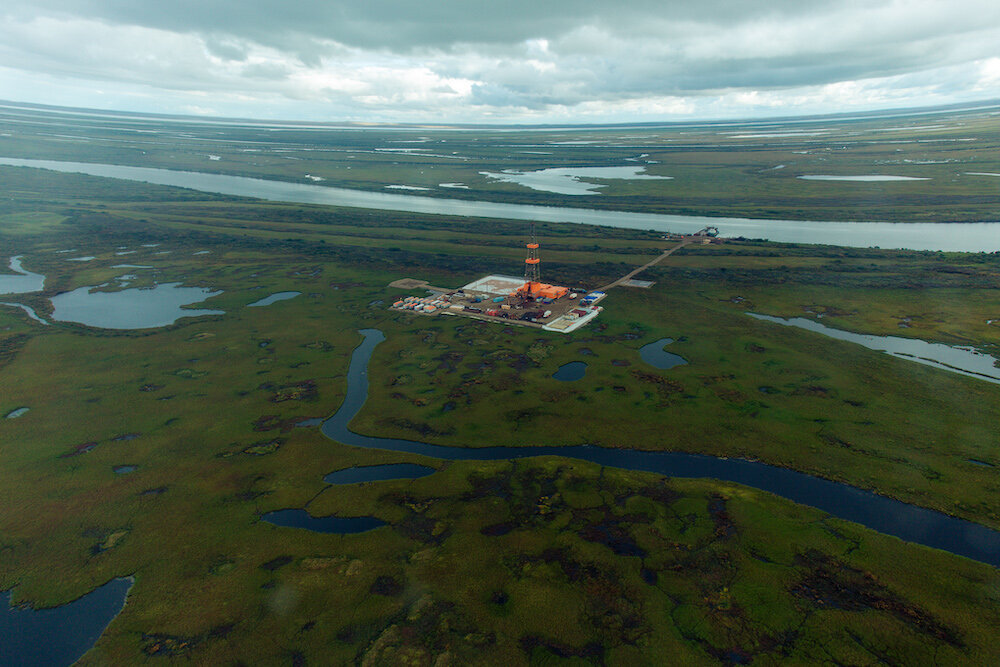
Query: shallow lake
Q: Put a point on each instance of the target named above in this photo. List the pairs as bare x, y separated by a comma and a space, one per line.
277, 296
568, 180
946, 357
869, 178
60, 635
23, 282
571, 372
886, 515
654, 355
17, 412
137, 308
378, 473
953, 236
296, 518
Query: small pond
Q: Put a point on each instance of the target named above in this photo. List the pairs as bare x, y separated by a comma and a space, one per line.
955, 359
60, 635
278, 296
137, 308
654, 355
574, 370
14, 414
23, 282
378, 473
296, 518
125, 469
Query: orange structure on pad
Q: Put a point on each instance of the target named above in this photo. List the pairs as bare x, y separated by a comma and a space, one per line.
542, 291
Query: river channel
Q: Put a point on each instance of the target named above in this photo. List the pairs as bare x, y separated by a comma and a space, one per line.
885, 515
954, 236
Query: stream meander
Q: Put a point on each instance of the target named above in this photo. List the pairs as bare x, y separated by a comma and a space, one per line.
953, 236
885, 515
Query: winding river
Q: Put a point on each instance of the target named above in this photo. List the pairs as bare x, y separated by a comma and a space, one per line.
886, 515
955, 236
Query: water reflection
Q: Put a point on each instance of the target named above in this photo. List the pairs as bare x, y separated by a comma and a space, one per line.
25, 281
138, 308
378, 473
278, 296
953, 236
59, 635
955, 359
297, 518
571, 372
654, 355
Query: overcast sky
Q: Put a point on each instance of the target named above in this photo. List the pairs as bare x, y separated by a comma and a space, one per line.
521, 61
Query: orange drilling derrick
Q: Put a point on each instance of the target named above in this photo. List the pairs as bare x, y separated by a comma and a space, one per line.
533, 287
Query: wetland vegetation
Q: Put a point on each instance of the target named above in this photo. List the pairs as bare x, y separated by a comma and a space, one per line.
162, 453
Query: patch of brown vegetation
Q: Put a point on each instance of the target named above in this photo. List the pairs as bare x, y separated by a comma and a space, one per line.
10, 346
831, 584
663, 386
295, 391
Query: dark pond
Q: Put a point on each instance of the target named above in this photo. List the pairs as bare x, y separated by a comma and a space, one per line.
963, 360
654, 355
378, 473
574, 370
277, 296
126, 469
296, 518
953, 236
886, 515
60, 635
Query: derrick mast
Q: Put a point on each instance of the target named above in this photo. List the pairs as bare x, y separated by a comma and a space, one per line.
532, 275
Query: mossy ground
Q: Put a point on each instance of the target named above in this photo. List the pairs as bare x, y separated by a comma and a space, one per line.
528, 562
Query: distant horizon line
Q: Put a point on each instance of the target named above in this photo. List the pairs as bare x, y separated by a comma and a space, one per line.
894, 112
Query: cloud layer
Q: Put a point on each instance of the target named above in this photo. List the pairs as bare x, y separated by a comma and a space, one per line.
517, 61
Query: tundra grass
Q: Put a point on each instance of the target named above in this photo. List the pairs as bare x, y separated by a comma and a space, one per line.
485, 562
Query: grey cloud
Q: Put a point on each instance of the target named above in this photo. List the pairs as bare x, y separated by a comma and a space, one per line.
394, 24
520, 54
